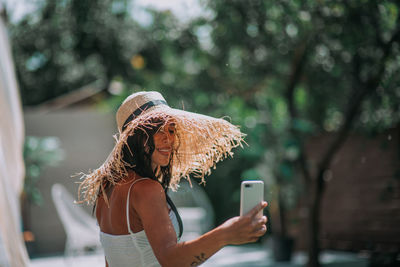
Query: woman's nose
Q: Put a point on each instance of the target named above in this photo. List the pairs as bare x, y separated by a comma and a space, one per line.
169, 138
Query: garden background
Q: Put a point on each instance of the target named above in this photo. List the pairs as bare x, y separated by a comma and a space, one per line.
315, 85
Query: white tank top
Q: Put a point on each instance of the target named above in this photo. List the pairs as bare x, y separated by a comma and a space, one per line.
133, 249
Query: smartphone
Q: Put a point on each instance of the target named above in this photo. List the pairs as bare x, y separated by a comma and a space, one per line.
251, 194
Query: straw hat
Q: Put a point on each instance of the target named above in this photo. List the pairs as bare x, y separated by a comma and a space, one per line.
201, 141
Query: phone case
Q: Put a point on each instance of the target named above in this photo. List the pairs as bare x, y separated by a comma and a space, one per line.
251, 194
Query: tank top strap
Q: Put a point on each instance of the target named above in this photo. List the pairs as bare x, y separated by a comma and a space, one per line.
127, 203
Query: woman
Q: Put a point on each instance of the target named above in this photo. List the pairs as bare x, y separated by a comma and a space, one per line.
157, 145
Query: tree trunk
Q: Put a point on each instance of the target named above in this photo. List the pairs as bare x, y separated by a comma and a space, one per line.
282, 214
25, 212
314, 227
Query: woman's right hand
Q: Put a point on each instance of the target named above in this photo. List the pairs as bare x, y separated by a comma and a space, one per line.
247, 228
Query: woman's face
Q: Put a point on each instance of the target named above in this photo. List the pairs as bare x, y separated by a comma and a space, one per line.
163, 144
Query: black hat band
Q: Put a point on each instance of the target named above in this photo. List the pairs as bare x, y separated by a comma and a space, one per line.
141, 109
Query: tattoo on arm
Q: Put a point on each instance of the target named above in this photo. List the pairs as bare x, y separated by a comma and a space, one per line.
199, 260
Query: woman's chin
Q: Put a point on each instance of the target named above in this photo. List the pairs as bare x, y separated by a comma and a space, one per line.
164, 164
160, 159
160, 163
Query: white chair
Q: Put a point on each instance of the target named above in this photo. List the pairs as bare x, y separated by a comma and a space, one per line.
81, 229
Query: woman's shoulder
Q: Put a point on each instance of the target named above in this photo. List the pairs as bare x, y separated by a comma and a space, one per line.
148, 189
146, 183
134, 180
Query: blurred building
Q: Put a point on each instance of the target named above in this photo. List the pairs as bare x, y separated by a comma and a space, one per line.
361, 204
85, 134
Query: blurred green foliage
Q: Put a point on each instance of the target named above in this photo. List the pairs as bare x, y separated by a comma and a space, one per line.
39, 152
283, 70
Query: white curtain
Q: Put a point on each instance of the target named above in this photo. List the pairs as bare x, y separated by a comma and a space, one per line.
12, 249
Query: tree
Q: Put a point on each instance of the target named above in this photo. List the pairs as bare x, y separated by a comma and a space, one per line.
290, 70
327, 61
65, 45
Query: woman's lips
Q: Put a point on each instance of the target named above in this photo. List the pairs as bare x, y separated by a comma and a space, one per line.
164, 151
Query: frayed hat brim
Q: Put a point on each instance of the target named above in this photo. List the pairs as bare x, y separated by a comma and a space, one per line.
201, 142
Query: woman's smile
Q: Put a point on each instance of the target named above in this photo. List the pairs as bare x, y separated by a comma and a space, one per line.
164, 151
